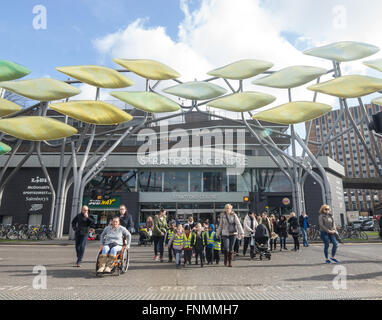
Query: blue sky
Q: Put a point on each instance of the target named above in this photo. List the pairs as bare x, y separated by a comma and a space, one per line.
72, 25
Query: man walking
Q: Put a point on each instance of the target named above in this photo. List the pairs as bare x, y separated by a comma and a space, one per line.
81, 225
304, 225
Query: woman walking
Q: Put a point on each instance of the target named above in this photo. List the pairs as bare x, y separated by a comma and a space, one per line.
294, 230
282, 230
160, 229
327, 232
250, 225
229, 228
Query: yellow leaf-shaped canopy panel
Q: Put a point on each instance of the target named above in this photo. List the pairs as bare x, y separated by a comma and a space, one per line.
43, 89
242, 69
98, 76
196, 90
8, 107
11, 71
375, 64
290, 77
149, 69
377, 101
36, 128
294, 112
343, 51
147, 101
94, 112
4, 148
243, 101
353, 86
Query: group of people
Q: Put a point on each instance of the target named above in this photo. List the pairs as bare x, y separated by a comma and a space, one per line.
207, 241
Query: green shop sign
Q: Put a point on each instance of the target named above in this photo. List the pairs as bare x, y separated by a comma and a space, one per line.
112, 203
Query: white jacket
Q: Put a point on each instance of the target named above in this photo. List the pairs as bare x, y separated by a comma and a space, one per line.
247, 226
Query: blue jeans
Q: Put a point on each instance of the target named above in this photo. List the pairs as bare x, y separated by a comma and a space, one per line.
80, 247
282, 242
304, 237
178, 256
326, 237
113, 251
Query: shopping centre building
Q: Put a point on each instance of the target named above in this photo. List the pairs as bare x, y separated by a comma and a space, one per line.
198, 182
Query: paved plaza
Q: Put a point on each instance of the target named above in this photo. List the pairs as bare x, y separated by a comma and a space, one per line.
289, 275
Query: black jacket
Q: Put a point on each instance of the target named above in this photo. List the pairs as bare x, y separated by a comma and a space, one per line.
293, 226
301, 221
81, 225
126, 221
197, 241
282, 229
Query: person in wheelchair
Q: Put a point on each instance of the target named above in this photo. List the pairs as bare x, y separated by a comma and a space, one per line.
112, 239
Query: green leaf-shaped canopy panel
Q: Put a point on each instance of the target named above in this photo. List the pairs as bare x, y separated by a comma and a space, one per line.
43, 89
147, 101
11, 71
196, 90
8, 107
93, 112
97, 76
294, 112
290, 77
149, 69
36, 128
242, 101
242, 69
4, 148
353, 86
343, 51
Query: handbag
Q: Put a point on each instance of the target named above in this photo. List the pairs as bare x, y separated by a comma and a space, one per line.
274, 236
231, 226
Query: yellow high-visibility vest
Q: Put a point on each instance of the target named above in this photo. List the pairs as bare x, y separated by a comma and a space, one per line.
202, 234
217, 245
169, 234
210, 239
187, 241
178, 240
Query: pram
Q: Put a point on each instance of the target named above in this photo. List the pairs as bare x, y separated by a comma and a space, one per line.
144, 236
261, 240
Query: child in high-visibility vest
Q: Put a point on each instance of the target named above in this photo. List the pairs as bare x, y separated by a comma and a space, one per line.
187, 245
177, 241
217, 250
211, 236
170, 233
199, 242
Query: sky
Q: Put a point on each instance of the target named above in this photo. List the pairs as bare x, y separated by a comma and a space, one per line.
192, 36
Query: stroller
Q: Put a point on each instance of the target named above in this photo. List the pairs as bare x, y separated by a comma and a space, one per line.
144, 236
261, 240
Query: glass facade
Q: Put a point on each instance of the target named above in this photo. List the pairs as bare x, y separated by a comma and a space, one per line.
175, 181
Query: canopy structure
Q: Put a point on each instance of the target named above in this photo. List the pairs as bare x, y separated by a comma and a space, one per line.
217, 92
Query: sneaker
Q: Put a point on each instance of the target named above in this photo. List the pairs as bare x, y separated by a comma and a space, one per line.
327, 261
334, 260
156, 258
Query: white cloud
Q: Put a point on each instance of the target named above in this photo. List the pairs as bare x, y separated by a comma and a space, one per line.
220, 32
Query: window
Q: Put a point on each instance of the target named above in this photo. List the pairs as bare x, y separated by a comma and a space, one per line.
175, 181
195, 181
214, 181
150, 181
